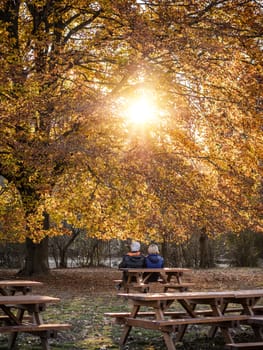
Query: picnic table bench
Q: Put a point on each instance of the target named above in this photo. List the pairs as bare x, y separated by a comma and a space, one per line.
245, 346
22, 314
11, 287
168, 277
257, 309
219, 315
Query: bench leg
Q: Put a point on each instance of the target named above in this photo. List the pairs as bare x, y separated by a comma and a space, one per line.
258, 331
125, 335
168, 341
226, 334
44, 343
12, 340
181, 331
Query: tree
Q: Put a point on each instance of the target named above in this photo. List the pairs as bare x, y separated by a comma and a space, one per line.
66, 67
52, 70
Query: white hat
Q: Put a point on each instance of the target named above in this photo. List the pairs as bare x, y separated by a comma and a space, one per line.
135, 246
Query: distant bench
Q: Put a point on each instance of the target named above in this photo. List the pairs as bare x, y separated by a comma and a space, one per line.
182, 287
169, 278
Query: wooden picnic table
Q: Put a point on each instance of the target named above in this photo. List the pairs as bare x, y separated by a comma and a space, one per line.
22, 313
247, 300
169, 278
162, 319
11, 287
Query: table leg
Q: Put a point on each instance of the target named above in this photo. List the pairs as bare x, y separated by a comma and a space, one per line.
190, 310
127, 328
187, 306
217, 311
37, 318
226, 334
248, 304
12, 340
3, 291
258, 331
13, 336
44, 342
159, 315
178, 277
168, 341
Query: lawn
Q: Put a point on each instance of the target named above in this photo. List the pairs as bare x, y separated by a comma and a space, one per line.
86, 294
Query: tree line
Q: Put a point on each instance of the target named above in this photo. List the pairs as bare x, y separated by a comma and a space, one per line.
244, 250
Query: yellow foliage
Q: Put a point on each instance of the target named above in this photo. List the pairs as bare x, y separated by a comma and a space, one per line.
67, 150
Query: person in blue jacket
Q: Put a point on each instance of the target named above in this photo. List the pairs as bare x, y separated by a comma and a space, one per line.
154, 261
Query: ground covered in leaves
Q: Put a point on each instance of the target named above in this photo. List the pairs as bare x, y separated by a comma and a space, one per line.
86, 294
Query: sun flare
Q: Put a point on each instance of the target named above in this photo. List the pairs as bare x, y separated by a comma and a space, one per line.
141, 111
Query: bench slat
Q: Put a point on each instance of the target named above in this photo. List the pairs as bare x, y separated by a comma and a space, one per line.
205, 312
256, 320
5, 318
177, 285
163, 324
246, 346
34, 328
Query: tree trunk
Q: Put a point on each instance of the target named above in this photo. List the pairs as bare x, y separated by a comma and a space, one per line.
63, 249
164, 252
63, 263
204, 250
36, 261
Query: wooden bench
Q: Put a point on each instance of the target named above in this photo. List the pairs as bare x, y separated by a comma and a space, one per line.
168, 278
168, 325
50, 328
246, 346
44, 331
253, 321
176, 318
12, 287
15, 309
121, 316
258, 309
117, 281
6, 319
177, 314
257, 320
182, 287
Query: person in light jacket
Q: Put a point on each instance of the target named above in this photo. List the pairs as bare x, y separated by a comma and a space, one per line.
154, 261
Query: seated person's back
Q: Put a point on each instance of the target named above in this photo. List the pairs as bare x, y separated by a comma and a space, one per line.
133, 259
154, 261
